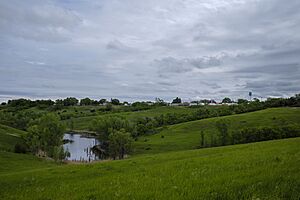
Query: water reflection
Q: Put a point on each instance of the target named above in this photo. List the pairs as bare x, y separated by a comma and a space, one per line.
79, 147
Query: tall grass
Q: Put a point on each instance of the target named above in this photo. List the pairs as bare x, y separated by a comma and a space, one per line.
265, 170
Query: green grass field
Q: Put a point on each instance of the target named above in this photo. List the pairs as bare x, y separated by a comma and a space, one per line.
9, 137
265, 170
186, 136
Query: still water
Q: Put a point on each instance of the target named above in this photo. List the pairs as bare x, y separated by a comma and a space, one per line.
80, 147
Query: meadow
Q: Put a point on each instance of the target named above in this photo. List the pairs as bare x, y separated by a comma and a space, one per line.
265, 170
9, 137
185, 136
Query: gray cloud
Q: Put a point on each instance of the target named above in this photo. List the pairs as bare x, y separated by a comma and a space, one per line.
37, 21
116, 45
280, 69
171, 64
145, 49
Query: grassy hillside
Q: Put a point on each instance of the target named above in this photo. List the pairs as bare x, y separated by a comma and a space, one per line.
9, 137
265, 170
83, 123
12, 163
186, 136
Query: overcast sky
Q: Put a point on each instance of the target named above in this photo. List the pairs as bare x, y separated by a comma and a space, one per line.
142, 49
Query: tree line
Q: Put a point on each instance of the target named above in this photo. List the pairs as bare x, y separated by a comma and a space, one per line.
225, 136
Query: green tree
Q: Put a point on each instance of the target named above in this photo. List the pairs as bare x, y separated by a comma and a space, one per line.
85, 102
46, 135
226, 100
70, 101
115, 101
103, 126
176, 100
119, 143
102, 101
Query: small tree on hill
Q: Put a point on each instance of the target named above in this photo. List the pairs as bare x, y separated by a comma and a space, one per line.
226, 100
102, 101
119, 143
115, 101
70, 101
176, 100
85, 102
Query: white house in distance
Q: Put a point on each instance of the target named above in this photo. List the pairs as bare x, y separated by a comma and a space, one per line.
193, 104
180, 104
229, 104
150, 103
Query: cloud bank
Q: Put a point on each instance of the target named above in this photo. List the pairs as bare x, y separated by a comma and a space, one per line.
139, 50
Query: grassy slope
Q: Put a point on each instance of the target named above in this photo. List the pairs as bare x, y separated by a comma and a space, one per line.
12, 163
9, 137
83, 123
266, 170
186, 136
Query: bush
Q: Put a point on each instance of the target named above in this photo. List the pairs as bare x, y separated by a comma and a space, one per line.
21, 148
119, 143
248, 135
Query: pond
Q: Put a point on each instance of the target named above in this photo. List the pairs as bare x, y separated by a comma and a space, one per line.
80, 147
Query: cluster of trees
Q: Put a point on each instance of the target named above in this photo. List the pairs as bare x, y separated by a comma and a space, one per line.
281, 102
115, 136
72, 101
227, 100
270, 102
87, 101
26, 103
45, 137
246, 135
69, 101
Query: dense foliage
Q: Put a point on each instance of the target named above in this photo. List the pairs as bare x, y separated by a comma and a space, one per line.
119, 143
114, 134
45, 137
248, 134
